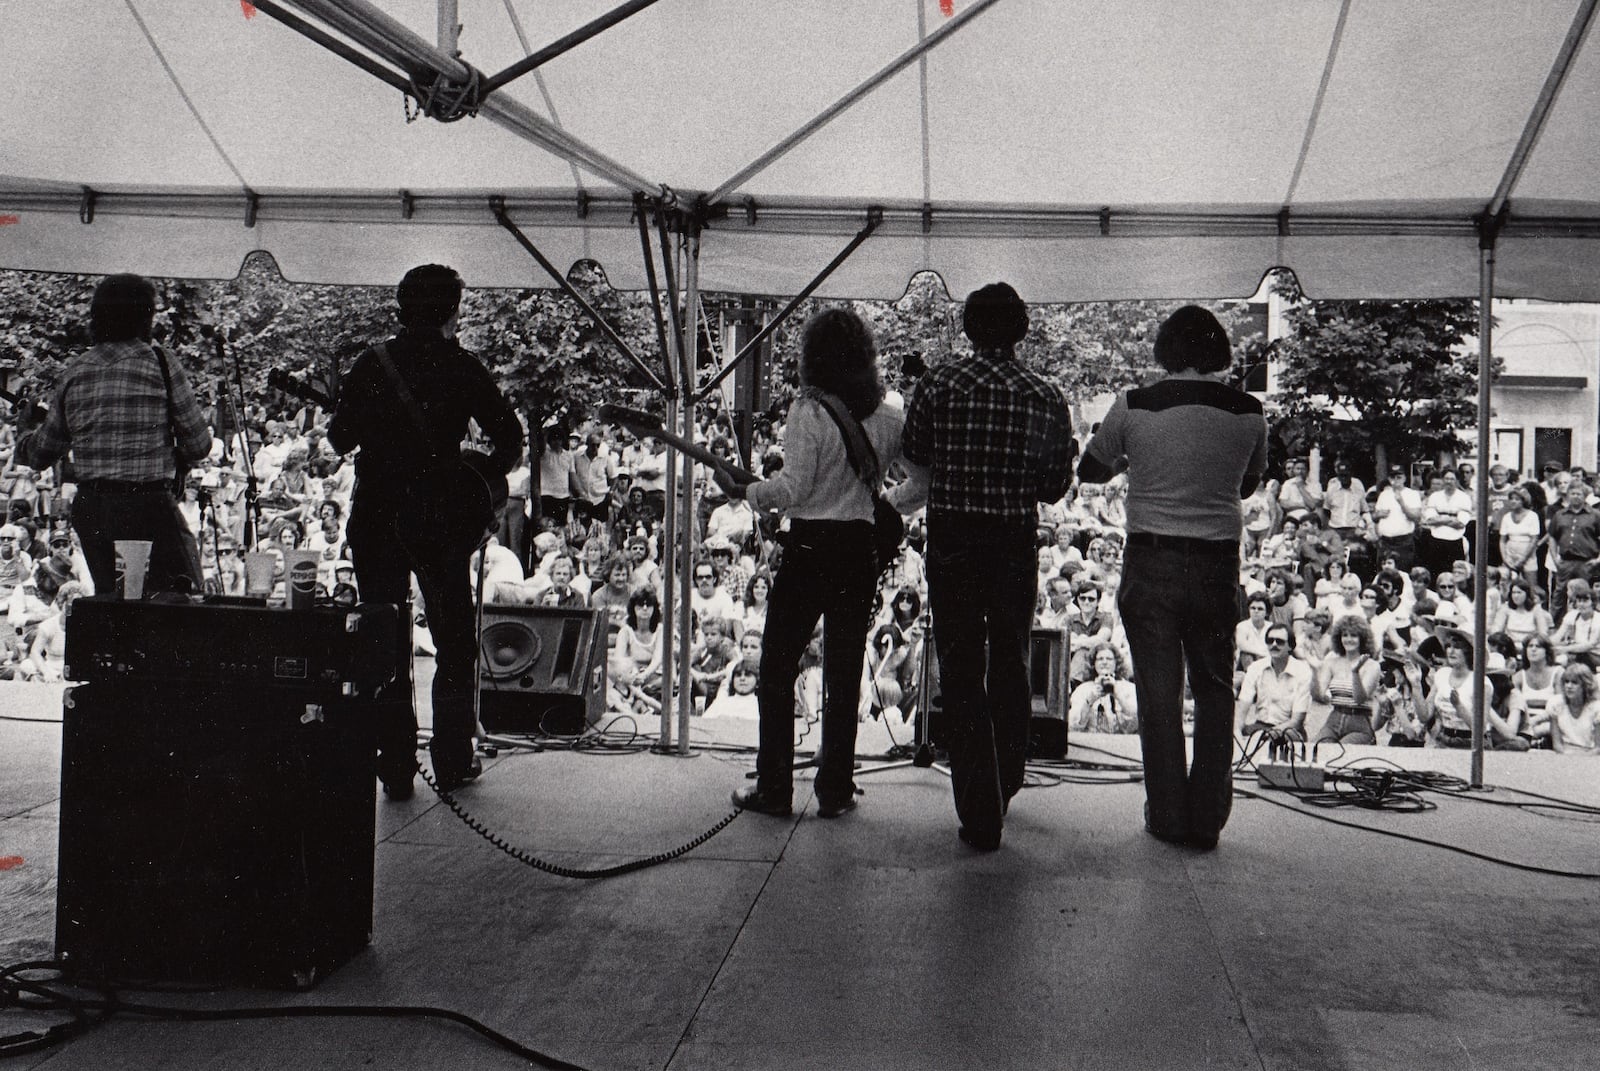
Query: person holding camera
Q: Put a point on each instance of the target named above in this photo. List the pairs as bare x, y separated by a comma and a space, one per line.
1106, 704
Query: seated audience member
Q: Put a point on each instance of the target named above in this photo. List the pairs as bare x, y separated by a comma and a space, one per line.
561, 594
1578, 638
1447, 588
15, 564
1276, 691
63, 565
1451, 690
1575, 712
710, 657
645, 572
502, 573
617, 584
1107, 703
1535, 686
1402, 703
1502, 715
756, 590
709, 601
1311, 640
624, 695
1348, 681
639, 638
49, 647
229, 576
1250, 635
1055, 602
739, 700
1087, 626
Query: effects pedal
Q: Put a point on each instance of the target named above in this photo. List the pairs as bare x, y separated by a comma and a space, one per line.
1297, 777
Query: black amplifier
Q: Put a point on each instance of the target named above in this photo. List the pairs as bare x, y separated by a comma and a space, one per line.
348, 650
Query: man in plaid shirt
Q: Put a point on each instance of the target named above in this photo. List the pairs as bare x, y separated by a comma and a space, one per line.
986, 441
127, 431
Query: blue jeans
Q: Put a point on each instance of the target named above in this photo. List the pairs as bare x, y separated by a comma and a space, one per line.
982, 581
829, 571
1179, 607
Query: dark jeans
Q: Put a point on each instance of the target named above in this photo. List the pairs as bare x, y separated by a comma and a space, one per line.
383, 574
1178, 607
1403, 549
103, 517
829, 571
982, 581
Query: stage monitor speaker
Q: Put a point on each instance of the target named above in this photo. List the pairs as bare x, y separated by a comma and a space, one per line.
214, 833
543, 669
1047, 684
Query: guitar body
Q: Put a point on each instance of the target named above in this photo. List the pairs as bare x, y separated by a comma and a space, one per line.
453, 508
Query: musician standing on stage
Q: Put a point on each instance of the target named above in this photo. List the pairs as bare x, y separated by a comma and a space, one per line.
127, 433
449, 387
1194, 448
986, 440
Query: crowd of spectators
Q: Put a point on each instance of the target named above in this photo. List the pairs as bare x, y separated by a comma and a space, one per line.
1356, 603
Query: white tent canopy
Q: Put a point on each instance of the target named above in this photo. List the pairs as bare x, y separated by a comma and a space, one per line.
1086, 150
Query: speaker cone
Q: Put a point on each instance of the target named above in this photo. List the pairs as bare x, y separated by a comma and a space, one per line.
510, 648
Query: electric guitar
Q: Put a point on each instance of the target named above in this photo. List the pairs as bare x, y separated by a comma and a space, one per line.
641, 423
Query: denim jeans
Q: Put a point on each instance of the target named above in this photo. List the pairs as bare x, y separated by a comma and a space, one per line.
1179, 607
103, 517
829, 571
982, 581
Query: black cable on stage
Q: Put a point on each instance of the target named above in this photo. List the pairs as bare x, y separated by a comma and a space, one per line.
529, 860
87, 1012
36, 721
1530, 868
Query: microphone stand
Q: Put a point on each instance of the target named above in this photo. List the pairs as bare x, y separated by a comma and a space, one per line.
924, 758
252, 487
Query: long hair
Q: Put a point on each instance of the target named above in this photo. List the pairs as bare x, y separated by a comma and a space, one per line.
838, 355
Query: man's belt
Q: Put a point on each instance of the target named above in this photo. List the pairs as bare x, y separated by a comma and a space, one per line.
125, 487
1189, 544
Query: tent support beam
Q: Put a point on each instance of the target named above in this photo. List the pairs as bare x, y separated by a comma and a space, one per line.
655, 297
1490, 231
849, 100
395, 42
874, 219
563, 44
1542, 107
572, 292
680, 555
334, 45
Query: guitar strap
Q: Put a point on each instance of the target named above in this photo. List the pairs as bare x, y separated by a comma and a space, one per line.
408, 401
179, 469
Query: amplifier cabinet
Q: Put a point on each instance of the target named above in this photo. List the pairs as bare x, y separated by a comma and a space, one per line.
214, 833
1048, 651
182, 641
543, 669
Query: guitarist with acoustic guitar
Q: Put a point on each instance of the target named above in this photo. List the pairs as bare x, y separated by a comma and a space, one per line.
421, 505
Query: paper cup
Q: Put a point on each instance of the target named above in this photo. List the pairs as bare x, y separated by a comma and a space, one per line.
133, 562
300, 578
258, 569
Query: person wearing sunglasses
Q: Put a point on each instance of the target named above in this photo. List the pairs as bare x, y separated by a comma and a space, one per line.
1276, 691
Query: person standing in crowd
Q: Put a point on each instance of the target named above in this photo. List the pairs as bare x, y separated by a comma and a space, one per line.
1193, 448
1574, 544
830, 565
593, 469
445, 387
129, 417
986, 440
1397, 511
1300, 497
1445, 514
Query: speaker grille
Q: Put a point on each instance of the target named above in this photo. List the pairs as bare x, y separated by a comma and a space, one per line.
510, 649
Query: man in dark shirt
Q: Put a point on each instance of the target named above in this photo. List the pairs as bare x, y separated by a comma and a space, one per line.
387, 535
986, 440
1193, 448
128, 415
1575, 535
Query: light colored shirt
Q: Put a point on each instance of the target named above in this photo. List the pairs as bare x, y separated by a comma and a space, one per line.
1273, 698
817, 482
1394, 510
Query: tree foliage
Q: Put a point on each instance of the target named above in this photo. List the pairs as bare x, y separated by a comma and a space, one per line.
1387, 380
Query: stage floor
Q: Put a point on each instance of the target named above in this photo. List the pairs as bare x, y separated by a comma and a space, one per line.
879, 941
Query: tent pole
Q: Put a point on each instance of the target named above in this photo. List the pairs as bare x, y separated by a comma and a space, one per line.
655, 295
669, 593
583, 303
555, 48
849, 100
449, 22
691, 340
334, 45
1480, 550
874, 218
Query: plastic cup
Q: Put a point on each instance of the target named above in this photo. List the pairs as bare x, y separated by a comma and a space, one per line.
300, 578
258, 569
133, 562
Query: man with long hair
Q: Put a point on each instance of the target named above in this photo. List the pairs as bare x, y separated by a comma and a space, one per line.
830, 564
986, 441
1193, 447
127, 413
429, 380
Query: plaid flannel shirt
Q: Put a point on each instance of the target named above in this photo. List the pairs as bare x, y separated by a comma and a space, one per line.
996, 437
111, 410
